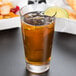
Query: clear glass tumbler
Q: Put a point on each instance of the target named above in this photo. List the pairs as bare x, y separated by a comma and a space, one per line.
38, 31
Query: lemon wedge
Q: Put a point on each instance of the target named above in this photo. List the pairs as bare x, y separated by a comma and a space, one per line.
60, 12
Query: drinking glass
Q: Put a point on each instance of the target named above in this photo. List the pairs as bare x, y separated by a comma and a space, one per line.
38, 31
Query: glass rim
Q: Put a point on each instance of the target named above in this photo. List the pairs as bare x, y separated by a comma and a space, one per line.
20, 10
49, 22
36, 11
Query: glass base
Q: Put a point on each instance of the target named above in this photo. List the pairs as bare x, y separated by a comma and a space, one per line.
37, 69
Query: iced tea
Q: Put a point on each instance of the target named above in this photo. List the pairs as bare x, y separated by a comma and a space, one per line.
38, 31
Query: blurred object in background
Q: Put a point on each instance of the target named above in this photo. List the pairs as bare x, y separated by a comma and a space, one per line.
7, 9
9, 17
72, 4
31, 1
38, 1
72, 15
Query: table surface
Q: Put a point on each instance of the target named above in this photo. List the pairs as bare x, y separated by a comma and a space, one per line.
12, 62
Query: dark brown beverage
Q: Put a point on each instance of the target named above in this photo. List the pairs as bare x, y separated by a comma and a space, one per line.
38, 31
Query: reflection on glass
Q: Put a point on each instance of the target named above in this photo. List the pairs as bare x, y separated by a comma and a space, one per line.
34, 74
